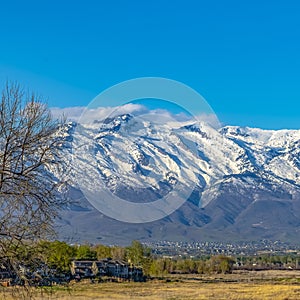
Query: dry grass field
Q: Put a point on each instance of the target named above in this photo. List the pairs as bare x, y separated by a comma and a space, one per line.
242, 285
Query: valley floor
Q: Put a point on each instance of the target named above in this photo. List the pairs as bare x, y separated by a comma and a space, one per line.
253, 285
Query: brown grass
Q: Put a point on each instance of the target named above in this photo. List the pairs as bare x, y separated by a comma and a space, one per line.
247, 285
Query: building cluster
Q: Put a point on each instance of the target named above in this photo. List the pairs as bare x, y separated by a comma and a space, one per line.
79, 269
106, 267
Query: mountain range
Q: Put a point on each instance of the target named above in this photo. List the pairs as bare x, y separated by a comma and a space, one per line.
236, 183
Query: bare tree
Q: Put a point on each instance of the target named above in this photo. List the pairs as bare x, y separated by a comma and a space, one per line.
30, 153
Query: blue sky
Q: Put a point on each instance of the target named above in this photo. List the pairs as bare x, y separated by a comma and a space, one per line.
242, 56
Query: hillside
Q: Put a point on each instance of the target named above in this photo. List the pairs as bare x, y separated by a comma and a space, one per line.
239, 183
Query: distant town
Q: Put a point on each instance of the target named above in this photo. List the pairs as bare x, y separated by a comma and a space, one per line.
199, 249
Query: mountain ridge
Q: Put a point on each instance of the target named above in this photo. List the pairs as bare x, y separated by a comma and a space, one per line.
244, 182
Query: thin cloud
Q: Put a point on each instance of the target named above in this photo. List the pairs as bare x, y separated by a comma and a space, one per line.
85, 115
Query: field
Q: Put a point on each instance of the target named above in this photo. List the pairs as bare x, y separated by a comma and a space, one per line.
281, 285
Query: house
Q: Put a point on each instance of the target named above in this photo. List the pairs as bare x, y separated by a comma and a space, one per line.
136, 273
109, 267
4, 272
99, 268
123, 269
82, 268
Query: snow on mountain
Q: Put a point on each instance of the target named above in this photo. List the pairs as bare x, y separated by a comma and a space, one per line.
231, 172
275, 152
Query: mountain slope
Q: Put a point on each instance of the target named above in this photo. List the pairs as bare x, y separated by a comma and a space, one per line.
241, 183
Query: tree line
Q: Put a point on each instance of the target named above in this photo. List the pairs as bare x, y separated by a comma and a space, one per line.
58, 255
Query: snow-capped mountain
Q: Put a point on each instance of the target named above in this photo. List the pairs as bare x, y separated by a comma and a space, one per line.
240, 183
